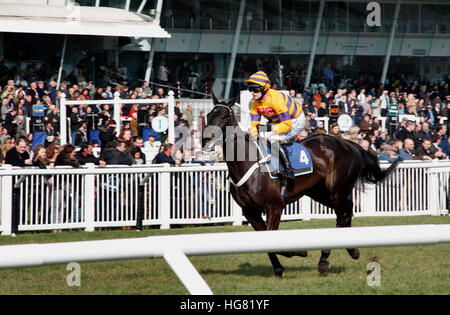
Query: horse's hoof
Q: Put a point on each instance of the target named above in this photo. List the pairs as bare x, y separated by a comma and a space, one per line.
302, 253
279, 273
324, 266
354, 253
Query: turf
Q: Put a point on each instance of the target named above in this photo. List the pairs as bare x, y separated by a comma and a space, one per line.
404, 270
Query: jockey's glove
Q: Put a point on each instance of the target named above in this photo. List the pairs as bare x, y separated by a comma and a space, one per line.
254, 131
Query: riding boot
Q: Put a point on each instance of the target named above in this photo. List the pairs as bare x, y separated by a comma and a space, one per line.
279, 151
288, 171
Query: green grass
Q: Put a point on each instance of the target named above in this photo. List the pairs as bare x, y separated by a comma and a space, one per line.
404, 270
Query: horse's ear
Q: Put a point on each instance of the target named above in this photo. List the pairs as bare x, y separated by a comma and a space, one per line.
233, 101
215, 100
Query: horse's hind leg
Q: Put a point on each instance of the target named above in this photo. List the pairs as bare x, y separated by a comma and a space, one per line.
324, 265
344, 213
255, 219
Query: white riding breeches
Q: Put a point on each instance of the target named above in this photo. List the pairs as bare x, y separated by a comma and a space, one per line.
298, 124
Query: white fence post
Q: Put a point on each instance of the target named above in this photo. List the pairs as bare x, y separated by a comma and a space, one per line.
164, 199
170, 113
116, 112
89, 199
236, 212
433, 192
7, 196
368, 199
305, 208
63, 120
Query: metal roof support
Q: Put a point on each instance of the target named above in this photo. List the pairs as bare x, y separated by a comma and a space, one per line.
314, 43
151, 42
390, 43
61, 64
237, 35
141, 6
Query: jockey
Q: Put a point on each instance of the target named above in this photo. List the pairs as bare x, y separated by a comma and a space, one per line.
286, 118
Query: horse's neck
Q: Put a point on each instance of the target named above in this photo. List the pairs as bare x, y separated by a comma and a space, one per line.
236, 165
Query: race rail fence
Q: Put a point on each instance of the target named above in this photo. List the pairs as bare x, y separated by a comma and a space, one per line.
175, 248
159, 195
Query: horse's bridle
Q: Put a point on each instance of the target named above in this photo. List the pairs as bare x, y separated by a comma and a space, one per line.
227, 107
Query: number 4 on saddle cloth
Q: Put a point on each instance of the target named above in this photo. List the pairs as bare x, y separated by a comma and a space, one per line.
299, 157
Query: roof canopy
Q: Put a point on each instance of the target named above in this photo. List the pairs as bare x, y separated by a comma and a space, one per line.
77, 20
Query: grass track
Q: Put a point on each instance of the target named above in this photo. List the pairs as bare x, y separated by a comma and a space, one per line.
404, 270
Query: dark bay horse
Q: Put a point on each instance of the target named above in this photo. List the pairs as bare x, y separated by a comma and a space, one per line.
338, 164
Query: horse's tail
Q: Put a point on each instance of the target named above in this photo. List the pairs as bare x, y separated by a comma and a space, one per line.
371, 171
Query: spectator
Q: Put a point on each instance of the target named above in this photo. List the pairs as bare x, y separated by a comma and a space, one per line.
188, 113
10, 122
40, 157
67, 156
436, 141
335, 130
426, 149
201, 122
165, 156
18, 155
108, 133
163, 73
134, 125
388, 154
407, 152
365, 125
137, 156
441, 130
75, 121
151, 143
352, 134
85, 155
418, 136
407, 132
116, 154
427, 133
126, 137
81, 136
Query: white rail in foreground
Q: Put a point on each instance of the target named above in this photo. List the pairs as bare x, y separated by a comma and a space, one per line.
174, 248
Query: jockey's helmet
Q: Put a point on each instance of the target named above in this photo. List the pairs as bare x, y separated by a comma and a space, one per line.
258, 79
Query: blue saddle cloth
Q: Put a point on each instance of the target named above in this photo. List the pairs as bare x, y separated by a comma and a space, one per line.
299, 157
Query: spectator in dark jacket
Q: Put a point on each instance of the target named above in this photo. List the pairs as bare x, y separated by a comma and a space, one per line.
165, 156
108, 133
18, 155
67, 156
115, 155
407, 132
85, 156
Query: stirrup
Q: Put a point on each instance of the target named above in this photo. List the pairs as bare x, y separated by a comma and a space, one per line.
285, 173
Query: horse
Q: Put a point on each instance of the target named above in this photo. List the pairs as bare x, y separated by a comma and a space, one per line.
338, 164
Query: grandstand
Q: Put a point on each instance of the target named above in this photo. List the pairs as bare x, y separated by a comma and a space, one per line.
273, 32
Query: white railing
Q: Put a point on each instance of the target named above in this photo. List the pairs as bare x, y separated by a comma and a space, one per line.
116, 103
93, 197
175, 248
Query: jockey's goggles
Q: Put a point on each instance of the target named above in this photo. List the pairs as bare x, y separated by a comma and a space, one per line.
255, 88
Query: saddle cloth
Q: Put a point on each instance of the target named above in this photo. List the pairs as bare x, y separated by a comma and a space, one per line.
299, 157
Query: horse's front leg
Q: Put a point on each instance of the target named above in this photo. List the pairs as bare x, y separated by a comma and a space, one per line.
255, 219
273, 221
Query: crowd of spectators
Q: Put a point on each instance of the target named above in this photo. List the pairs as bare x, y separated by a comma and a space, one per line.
422, 136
